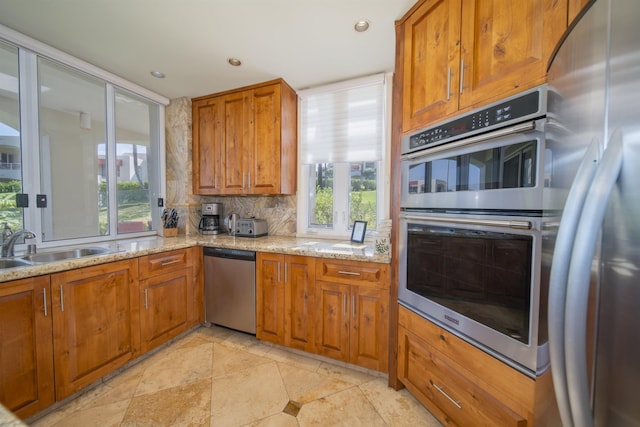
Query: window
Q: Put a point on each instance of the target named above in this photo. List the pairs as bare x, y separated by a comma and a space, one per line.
343, 167
88, 141
10, 165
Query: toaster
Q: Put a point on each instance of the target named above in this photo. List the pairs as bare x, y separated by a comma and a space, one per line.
251, 227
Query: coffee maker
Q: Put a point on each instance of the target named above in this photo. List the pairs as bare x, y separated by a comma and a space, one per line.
210, 219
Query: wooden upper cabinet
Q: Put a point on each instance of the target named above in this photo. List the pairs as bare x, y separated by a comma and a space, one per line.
457, 55
208, 125
431, 63
506, 45
245, 141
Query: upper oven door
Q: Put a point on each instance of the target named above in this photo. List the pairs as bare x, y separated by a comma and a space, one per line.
498, 171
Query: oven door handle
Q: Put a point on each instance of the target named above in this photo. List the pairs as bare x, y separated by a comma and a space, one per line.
521, 128
520, 225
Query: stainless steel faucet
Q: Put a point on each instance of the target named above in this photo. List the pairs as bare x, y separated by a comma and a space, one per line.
9, 239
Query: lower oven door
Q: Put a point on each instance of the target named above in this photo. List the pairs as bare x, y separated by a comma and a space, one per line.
478, 277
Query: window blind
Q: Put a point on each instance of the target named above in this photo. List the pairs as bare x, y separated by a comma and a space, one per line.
343, 123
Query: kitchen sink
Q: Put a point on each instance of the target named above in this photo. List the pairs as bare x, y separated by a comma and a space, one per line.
10, 263
62, 255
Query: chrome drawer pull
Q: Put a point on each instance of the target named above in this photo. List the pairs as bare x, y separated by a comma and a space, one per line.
146, 299
175, 261
351, 273
446, 395
44, 296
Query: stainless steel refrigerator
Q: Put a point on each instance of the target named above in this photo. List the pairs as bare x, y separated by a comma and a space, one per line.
594, 253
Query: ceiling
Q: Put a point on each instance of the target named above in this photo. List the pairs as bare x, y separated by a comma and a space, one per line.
306, 42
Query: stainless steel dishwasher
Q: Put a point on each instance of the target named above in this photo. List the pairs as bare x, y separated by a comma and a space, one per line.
230, 288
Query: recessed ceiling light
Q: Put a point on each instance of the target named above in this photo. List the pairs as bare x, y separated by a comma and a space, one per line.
361, 26
235, 62
158, 74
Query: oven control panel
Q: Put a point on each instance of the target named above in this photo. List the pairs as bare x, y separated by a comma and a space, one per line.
528, 105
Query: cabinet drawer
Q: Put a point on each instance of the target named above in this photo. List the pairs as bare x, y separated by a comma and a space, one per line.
353, 272
155, 264
428, 375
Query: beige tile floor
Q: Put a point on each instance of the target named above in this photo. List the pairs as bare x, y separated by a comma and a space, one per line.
218, 377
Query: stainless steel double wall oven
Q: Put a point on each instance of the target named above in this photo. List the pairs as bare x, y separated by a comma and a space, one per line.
471, 227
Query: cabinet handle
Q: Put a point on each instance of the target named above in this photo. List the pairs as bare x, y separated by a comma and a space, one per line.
344, 304
243, 180
44, 296
462, 76
286, 272
146, 299
449, 83
249, 178
61, 299
278, 272
350, 273
175, 261
353, 306
441, 390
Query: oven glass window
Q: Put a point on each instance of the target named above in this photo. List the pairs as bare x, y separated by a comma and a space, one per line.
485, 276
511, 166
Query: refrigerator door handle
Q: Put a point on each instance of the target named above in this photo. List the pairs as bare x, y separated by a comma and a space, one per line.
559, 271
579, 277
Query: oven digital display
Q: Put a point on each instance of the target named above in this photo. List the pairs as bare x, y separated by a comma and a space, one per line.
491, 117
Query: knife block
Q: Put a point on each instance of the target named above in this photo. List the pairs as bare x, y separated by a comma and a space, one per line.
169, 232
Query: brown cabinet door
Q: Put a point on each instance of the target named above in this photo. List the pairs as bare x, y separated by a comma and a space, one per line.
165, 305
26, 348
270, 297
369, 341
264, 173
505, 46
95, 322
332, 320
431, 63
237, 146
208, 140
299, 302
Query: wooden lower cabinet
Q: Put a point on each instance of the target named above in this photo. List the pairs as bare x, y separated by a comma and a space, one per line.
285, 300
352, 312
96, 325
26, 346
166, 297
460, 384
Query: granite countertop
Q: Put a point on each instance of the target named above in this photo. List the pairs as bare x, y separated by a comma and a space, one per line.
130, 248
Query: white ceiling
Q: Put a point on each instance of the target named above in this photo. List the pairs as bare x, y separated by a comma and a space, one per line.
306, 42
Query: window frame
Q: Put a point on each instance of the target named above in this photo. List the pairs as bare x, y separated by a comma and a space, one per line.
343, 231
28, 52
